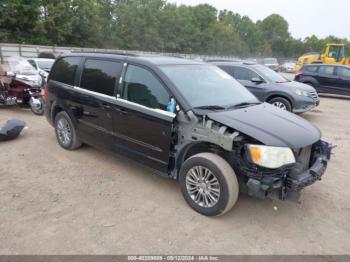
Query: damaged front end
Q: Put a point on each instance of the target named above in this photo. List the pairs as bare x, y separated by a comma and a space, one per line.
286, 183
233, 134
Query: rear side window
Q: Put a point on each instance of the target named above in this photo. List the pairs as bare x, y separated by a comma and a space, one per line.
65, 69
100, 76
310, 69
242, 73
344, 72
326, 70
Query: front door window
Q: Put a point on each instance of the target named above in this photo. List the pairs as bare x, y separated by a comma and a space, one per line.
142, 87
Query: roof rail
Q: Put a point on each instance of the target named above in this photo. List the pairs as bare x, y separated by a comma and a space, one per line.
107, 53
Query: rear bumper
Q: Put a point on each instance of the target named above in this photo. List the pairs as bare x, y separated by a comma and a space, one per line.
287, 186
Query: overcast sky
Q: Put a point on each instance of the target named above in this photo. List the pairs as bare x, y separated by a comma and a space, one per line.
305, 17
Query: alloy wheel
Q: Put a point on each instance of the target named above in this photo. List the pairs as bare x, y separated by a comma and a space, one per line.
64, 131
203, 186
280, 105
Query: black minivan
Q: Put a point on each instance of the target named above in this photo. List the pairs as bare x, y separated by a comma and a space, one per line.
185, 120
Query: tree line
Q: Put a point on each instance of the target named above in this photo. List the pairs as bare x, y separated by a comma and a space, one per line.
151, 25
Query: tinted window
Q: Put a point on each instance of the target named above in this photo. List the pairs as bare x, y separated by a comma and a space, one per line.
269, 74
310, 69
32, 63
100, 76
242, 73
227, 69
64, 70
344, 72
142, 87
326, 70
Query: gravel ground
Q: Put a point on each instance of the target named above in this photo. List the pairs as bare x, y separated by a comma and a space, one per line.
54, 201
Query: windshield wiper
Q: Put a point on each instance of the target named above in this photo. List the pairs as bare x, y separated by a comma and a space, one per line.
244, 104
212, 107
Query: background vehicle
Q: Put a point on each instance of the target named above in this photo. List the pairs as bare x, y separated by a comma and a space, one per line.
218, 132
271, 63
333, 54
50, 55
43, 65
332, 79
22, 85
288, 67
269, 86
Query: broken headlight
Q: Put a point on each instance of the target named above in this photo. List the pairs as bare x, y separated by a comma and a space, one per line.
269, 156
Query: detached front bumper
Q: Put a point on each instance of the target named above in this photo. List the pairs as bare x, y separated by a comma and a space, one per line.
287, 186
308, 177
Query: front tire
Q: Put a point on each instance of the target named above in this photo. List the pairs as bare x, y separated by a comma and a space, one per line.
209, 184
281, 103
65, 132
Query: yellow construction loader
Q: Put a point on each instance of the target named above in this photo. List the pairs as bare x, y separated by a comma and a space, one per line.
333, 54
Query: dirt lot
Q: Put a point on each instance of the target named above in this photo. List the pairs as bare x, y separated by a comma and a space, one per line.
54, 201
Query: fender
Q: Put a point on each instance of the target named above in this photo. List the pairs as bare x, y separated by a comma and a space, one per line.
57, 106
309, 79
274, 93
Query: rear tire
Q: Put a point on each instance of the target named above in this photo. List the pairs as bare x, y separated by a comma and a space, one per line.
216, 191
65, 132
281, 103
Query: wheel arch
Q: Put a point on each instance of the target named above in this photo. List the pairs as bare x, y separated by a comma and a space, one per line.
196, 148
57, 107
311, 80
274, 95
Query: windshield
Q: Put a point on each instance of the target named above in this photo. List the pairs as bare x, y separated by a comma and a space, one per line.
45, 64
20, 66
207, 85
270, 61
270, 74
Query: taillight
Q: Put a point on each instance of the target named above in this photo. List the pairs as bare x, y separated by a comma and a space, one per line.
46, 93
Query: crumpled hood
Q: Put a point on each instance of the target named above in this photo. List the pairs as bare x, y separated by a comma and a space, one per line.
269, 125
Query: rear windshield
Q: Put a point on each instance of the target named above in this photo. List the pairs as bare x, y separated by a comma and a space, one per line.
45, 64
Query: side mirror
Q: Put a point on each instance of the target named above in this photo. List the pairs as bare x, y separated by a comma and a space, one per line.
257, 80
10, 74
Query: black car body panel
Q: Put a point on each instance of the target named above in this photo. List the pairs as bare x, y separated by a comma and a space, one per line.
331, 79
263, 123
163, 140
